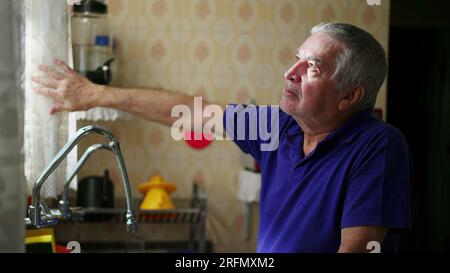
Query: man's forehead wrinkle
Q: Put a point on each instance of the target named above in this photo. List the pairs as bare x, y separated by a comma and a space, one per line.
321, 41
309, 57
321, 49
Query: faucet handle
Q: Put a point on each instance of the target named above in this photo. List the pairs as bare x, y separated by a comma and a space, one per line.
39, 218
64, 209
44, 207
48, 217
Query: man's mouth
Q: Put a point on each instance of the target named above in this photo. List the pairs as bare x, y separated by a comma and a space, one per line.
290, 93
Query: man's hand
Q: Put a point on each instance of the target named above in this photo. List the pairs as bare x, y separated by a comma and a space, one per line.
69, 90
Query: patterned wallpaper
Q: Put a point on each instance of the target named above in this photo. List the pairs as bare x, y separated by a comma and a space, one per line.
225, 51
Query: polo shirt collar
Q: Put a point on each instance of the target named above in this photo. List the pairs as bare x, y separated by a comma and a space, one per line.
342, 135
347, 132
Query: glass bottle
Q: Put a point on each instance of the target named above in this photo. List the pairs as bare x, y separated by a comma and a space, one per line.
90, 38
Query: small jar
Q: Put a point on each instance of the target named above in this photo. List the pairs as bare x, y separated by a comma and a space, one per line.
101, 52
100, 58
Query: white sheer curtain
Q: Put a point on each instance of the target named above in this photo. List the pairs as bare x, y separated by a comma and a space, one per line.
47, 36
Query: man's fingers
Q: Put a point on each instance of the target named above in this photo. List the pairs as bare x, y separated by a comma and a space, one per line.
46, 82
57, 107
64, 66
48, 92
54, 109
51, 72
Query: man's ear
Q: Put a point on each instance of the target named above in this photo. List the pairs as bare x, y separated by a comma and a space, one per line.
351, 98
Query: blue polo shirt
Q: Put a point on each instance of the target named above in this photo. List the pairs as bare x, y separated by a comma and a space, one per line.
358, 176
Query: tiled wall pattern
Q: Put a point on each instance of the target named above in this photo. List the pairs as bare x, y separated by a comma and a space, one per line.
226, 51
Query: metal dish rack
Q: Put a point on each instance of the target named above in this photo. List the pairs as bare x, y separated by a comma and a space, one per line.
193, 214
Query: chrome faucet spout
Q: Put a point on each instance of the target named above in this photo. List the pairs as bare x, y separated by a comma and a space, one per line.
38, 215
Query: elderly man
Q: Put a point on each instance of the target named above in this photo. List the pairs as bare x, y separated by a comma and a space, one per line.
339, 180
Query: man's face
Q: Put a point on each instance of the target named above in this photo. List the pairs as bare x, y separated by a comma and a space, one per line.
309, 93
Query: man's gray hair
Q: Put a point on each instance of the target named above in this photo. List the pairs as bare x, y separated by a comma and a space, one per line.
362, 61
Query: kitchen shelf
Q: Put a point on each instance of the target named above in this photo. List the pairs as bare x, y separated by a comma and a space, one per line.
191, 212
117, 215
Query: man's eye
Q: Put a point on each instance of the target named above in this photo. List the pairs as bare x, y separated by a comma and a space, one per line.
311, 65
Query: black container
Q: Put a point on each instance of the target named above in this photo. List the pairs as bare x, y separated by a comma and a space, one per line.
91, 6
102, 75
96, 192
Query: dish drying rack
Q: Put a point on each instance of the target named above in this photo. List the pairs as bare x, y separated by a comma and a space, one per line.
192, 212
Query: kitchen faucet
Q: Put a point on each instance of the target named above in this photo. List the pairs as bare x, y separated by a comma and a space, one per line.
41, 216
66, 213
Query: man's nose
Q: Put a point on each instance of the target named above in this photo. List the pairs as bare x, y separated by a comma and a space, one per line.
295, 73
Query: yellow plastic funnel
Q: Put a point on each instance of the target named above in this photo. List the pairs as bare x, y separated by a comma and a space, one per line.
156, 192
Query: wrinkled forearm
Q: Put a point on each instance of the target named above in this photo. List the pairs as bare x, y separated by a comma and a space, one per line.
151, 104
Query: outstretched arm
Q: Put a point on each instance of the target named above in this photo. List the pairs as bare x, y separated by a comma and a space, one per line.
71, 91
